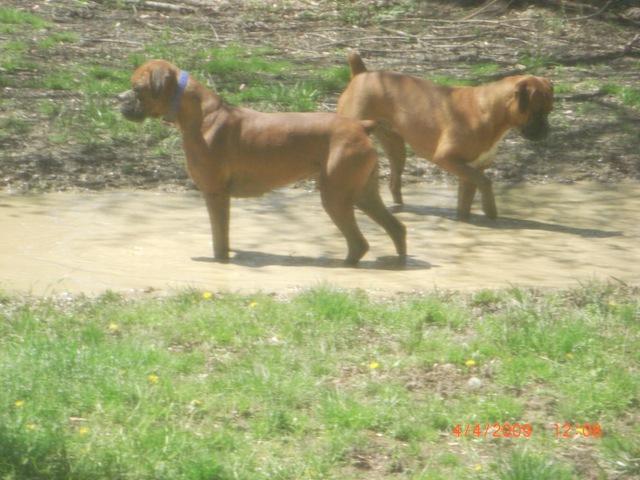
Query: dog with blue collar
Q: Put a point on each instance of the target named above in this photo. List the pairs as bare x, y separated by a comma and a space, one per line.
238, 152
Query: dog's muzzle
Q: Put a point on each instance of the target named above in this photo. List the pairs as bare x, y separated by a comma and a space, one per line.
130, 106
537, 128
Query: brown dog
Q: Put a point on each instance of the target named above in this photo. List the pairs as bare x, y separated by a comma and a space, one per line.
237, 152
457, 128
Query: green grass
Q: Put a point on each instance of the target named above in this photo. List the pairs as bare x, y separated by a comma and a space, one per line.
58, 38
13, 20
449, 81
525, 465
13, 57
13, 126
626, 94
259, 78
629, 96
483, 69
352, 13
300, 97
535, 61
195, 386
563, 88
248, 78
624, 451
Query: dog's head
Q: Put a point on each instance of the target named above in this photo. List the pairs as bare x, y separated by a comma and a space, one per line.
531, 105
153, 86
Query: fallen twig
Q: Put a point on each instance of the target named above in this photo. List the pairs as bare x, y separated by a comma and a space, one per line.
113, 40
169, 7
632, 44
592, 15
203, 4
478, 11
347, 41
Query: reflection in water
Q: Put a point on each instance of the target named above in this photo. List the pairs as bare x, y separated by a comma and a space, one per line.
547, 235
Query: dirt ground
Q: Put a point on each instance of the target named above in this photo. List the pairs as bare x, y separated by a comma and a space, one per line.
547, 236
594, 134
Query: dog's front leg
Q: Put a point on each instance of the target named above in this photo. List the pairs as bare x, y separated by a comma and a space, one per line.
466, 193
489, 200
470, 179
218, 206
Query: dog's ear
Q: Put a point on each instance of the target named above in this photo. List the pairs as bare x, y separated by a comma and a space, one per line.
161, 80
522, 96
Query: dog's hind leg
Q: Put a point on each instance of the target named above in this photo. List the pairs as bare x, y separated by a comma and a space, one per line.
371, 204
340, 209
340, 185
393, 145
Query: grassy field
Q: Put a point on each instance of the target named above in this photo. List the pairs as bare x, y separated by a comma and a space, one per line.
326, 384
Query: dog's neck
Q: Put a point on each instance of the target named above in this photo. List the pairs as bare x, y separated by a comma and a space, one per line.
197, 103
498, 103
174, 107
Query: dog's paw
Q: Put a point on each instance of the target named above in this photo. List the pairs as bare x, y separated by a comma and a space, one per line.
489, 209
491, 214
221, 257
463, 216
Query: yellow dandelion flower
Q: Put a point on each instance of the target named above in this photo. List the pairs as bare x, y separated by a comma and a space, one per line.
31, 426
153, 379
470, 363
477, 467
19, 403
196, 403
373, 365
569, 356
82, 431
114, 327
207, 295
253, 304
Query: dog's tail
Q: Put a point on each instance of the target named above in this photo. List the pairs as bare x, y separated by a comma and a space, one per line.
356, 64
368, 125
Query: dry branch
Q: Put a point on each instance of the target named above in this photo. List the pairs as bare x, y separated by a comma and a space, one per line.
594, 14
203, 4
481, 9
161, 6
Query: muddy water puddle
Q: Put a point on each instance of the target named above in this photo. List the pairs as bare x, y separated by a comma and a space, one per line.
547, 236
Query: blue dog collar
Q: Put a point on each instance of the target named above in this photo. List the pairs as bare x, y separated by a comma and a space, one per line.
175, 101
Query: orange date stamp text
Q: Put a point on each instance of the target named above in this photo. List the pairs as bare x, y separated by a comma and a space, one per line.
562, 431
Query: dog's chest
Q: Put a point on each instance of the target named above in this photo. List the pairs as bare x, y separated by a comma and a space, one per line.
486, 158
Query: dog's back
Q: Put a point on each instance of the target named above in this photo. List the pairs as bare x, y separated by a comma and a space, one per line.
394, 99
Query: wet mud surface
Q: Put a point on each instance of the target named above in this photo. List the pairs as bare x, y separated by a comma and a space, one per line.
547, 236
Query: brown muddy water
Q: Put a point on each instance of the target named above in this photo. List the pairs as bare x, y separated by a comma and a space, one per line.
547, 236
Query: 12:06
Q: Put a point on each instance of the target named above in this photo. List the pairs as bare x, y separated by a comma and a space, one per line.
571, 430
